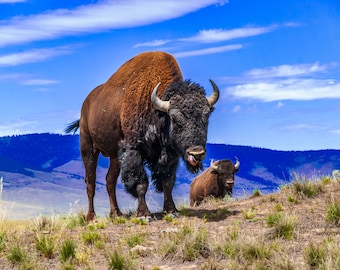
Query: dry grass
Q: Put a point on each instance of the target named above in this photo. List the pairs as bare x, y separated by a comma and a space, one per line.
296, 228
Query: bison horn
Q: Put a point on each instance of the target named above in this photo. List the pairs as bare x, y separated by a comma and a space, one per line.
157, 102
237, 164
212, 166
215, 95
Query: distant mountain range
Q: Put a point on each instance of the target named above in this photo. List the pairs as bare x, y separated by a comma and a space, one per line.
43, 174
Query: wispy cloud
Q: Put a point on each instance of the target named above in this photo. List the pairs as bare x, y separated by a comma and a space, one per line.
218, 35
336, 131
102, 16
211, 50
39, 82
301, 126
236, 109
213, 36
33, 56
154, 43
9, 76
288, 70
11, 1
285, 82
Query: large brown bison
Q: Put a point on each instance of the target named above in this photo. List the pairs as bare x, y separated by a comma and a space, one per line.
145, 114
216, 181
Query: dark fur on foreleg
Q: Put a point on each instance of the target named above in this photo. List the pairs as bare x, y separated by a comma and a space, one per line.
132, 170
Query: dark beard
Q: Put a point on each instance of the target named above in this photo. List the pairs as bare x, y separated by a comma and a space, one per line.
194, 169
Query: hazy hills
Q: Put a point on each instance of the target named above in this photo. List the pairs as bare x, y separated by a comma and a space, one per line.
43, 173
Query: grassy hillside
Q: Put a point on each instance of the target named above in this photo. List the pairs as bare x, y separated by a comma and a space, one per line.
296, 228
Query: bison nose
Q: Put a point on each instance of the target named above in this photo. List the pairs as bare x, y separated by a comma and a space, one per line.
195, 155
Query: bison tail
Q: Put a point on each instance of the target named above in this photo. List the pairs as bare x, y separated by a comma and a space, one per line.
72, 127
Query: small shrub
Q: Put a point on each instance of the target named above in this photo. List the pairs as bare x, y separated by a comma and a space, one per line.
315, 255
45, 244
3, 241
77, 220
68, 250
45, 224
256, 193
293, 199
139, 221
307, 188
16, 254
118, 220
249, 214
284, 226
119, 261
90, 237
255, 250
169, 218
333, 213
326, 179
186, 245
279, 207
134, 240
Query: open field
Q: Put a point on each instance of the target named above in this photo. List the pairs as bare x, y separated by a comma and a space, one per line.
295, 228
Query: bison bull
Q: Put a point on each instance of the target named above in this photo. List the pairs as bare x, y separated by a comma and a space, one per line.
145, 114
216, 181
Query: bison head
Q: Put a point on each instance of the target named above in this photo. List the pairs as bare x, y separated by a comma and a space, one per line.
225, 171
188, 109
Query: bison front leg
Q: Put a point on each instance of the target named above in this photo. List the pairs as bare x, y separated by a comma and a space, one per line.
134, 178
168, 182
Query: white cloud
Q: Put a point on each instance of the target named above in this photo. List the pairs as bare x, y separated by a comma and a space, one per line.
39, 82
288, 70
236, 109
9, 76
336, 131
154, 43
218, 35
32, 56
285, 82
92, 18
213, 36
11, 1
300, 89
305, 127
211, 50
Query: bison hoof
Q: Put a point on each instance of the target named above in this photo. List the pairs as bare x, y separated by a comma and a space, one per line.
174, 215
115, 214
145, 218
91, 217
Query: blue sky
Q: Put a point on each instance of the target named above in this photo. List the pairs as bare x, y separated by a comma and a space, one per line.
276, 62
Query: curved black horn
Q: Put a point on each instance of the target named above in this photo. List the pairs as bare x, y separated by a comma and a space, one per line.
237, 164
215, 95
157, 102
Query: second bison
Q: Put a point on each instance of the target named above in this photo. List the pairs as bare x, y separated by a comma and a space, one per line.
216, 181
